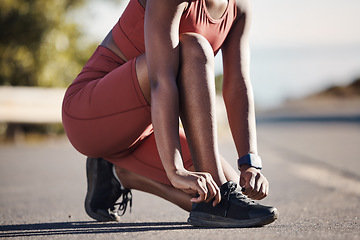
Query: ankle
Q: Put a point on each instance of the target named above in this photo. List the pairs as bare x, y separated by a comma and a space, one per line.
123, 176
220, 179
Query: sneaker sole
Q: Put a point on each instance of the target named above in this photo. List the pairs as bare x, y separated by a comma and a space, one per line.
91, 166
199, 219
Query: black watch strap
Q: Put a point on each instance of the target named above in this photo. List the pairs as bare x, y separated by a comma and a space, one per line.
251, 159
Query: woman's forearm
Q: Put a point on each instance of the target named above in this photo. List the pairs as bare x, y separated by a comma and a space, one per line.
165, 118
161, 26
240, 107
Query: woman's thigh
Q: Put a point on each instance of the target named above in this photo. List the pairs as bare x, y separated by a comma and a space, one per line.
104, 111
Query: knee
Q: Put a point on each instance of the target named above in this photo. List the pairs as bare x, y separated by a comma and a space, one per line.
196, 47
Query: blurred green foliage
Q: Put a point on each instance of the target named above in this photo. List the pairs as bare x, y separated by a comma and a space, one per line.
219, 83
39, 46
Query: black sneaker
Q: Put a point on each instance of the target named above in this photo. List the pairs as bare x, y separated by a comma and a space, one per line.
103, 191
234, 210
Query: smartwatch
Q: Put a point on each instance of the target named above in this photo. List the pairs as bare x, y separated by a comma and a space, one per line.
251, 159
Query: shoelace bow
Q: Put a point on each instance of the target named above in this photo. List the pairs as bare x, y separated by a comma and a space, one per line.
126, 197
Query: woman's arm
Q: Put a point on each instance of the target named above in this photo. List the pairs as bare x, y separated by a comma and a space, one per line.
162, 54
162, 20
237, 89
239, 100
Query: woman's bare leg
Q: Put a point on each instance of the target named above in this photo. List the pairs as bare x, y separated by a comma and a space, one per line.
230, 173
132, 180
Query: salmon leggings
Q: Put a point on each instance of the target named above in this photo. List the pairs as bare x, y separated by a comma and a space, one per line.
105, 115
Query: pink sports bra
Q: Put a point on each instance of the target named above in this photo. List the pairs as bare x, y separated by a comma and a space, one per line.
128, 33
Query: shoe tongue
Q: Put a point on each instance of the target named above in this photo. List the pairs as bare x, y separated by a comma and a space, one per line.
227, 187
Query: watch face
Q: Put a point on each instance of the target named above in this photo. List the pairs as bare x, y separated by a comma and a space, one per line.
250, 159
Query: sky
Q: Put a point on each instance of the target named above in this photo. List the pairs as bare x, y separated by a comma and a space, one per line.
298, 47
306, 22
275, 22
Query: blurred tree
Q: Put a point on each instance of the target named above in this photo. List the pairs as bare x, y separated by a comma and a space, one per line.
219, 83
38, 44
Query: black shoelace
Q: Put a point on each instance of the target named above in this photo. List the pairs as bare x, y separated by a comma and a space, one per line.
231, 191
126, 197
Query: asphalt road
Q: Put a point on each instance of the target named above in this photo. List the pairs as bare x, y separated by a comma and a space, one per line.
312, 168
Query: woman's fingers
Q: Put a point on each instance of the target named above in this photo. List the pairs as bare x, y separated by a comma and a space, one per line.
255, 184
217, 195
200, 187
206, 189
211, 187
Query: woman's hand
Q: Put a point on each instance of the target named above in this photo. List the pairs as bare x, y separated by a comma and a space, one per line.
255, 185
198, 184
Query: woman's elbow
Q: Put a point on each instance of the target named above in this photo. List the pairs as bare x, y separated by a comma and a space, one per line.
163, 86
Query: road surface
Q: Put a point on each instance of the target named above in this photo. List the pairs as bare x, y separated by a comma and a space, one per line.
312, 168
